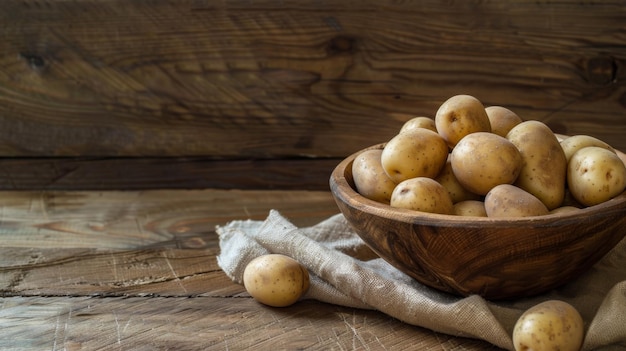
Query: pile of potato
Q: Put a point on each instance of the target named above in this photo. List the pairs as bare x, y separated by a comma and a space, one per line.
475, 161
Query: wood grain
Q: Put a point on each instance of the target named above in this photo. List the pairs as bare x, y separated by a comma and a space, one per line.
295, 78
137, 270
120, 243
205, 323
126, 220
141, 173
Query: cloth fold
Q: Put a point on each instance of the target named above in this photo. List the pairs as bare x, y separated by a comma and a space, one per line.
344, 271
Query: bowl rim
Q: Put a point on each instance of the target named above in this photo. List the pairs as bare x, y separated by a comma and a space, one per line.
344, 190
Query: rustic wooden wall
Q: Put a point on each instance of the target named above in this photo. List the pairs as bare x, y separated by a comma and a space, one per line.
271, 94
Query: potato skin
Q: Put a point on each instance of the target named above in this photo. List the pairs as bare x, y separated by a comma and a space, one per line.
469, 208
370, 178
502, 119
416, 153
419, 122
576, 142
595, 175
449, 181
507, 200
459, 116
550, 325
422, 194
543, 173
275, 280
565, 209
482, 160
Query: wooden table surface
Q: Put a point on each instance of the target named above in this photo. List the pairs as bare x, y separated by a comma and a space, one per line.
137, 270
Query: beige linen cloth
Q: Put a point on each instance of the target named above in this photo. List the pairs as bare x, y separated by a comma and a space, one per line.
344, 271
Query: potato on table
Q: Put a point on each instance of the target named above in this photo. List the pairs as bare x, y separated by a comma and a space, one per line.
275, 280
550, 325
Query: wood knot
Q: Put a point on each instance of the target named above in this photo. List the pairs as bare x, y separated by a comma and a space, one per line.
34, 61
341, 44
601, 70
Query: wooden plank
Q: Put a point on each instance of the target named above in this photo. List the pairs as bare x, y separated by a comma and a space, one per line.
63, 173
143, 219
295, 78
138, 270
205, 323
82, 272
131, 243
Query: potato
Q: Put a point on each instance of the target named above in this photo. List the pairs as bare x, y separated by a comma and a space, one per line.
595, 175
469, 208
419, 122
370, 178
576, 142
449, 181
482, 160
275, 280
416, 153
502, 119
565, 209
459, 116
507, 200
544, 169
550, 325
422, 194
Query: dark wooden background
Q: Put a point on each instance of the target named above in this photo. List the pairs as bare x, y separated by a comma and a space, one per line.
242, 94
267, 94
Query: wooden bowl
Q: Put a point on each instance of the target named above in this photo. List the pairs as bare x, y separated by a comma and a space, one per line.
491, 257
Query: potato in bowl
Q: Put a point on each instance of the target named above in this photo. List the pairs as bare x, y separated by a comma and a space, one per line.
526, 210
497, 258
